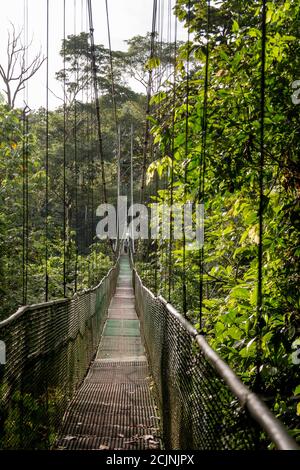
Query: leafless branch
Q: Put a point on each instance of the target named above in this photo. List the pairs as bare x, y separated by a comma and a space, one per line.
18, 71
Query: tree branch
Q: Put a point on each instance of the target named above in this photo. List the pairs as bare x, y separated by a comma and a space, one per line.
17, 57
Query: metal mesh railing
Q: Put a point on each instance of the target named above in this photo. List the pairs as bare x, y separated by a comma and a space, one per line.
203, 404
48, 350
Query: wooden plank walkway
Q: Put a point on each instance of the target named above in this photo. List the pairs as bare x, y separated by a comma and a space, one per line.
114, 407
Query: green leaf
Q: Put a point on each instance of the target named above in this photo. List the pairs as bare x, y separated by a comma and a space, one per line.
297, 390
269, 16
152, 63
251, 342
235, 27
254, 33
234, 332
240, 293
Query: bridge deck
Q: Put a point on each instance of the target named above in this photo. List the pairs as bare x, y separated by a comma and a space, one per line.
114, 407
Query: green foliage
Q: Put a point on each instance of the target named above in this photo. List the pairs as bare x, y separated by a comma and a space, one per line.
232, 193
27, 421
79, 235
83, 176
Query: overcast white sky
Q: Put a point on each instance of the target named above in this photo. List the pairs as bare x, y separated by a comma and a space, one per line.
127, 19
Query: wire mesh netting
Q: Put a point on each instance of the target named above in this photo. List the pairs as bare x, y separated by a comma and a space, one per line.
48, 350
198, 408
50, 347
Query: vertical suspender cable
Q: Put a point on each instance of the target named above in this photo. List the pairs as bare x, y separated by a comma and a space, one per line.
76, 160
155, 87
25, 235
26, 205
172, 162
113, 90
90, 170
84, 146
156, 265
92, 180
165, 245
94, 71
184, 286
47, 160
25, 168
88, 143
131, 186
259, 306
64, 158
151, 84
149, 90
47, 182
203, 161
91, 160
118, 184
24, 210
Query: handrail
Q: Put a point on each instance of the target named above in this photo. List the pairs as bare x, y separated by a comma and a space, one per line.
259, 411
24, 308
272, 426
49, 347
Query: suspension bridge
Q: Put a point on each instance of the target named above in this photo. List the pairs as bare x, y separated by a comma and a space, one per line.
117, 366
122, 369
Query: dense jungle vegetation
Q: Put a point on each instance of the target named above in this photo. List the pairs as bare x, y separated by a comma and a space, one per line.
232, 190
231, 196
72, 135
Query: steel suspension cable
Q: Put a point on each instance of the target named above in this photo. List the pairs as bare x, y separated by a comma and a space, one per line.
186, 152
202, 167
156, 242
259, 305
172, 163
76, 158
92, 181
47, 160
148, 99
25, 174
113, 89
89, 226
64, 156
118, 182
150, 147
27, 206
168, 269
26, 35
91, 158
113, 93
131, 182
24, 190
97, 101
156, 86
160, 81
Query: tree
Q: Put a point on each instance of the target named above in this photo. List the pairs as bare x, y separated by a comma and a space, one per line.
136, 63
232, 153
17, 71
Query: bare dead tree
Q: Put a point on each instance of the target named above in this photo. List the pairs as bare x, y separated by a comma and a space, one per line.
18, 70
